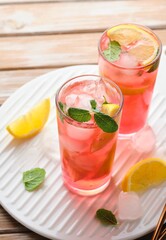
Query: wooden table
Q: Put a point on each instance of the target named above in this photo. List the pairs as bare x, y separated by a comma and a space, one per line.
37, 36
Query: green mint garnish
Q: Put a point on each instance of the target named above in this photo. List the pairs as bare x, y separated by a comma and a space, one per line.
154, 67
106, 216
112, 53
33, 178
105, 122
61, 105
93, 104
80, 115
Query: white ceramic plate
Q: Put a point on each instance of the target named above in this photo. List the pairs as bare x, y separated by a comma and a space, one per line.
53, 211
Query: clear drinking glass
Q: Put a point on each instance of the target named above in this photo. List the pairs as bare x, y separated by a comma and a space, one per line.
134, 70
87, 152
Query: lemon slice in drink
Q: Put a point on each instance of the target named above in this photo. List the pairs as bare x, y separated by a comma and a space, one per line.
144, 174
110, 109
32, 122
136, 41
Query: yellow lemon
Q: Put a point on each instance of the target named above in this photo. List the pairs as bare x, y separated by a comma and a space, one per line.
110, 109
32, 122
138, 42
144, 174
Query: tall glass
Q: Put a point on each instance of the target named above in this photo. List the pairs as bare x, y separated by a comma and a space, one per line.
134, 70
87, 152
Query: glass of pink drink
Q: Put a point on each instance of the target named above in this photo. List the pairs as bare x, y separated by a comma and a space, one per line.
87, 151
129, 55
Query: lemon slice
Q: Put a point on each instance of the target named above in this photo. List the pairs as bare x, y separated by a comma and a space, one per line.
144, 174
32, 122
133, 91
136, 41
110, 109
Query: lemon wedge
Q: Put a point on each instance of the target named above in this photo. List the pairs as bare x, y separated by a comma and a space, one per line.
139, 42
144, 174
32, 122
110, 109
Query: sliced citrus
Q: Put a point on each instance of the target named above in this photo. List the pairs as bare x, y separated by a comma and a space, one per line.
133, 91
136, 41
110, 109
144, 174
32, 122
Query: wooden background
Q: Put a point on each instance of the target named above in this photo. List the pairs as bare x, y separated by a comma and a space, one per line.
39, 36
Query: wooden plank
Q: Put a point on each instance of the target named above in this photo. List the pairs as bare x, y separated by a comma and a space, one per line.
8, 224
52, 51
12, 80
22, 236
48, 51
78, 16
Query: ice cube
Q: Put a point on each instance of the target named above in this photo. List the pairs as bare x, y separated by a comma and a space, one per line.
71, 100
84, 101
79, 133
129, 206
127, 60
144, 140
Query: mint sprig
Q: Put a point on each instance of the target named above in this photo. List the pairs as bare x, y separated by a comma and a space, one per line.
33, 178
103, 121
80, 115
106, 217
112, 53
93, 104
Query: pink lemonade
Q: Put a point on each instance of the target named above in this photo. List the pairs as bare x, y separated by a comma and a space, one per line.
87, 152
129, 56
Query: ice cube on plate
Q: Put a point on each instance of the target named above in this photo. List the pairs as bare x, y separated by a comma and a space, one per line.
129, 206
144, 141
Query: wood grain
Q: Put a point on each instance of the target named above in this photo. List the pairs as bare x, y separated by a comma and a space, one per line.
52, 51
22, 236
67, 17
12, 80
8, 224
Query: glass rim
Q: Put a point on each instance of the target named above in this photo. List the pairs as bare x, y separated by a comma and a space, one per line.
87, 124
138, 67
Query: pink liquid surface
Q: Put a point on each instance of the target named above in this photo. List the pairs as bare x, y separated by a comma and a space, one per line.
87, 153
136, 84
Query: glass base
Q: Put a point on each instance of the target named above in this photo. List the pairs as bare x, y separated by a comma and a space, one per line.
91, 192
143, 141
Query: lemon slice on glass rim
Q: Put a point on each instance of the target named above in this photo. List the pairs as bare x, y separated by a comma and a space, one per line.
138, 42
31, 123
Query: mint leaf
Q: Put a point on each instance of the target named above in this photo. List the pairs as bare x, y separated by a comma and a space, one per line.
61, 105
33, 178
93, 104
80, 115
112, 53
154, 67
106, 216
105, 122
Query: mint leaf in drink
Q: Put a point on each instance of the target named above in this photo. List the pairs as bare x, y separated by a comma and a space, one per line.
80, 115
112, 53
153, 67
105, 122
93, 104
33, 178
106, 217
61, 105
